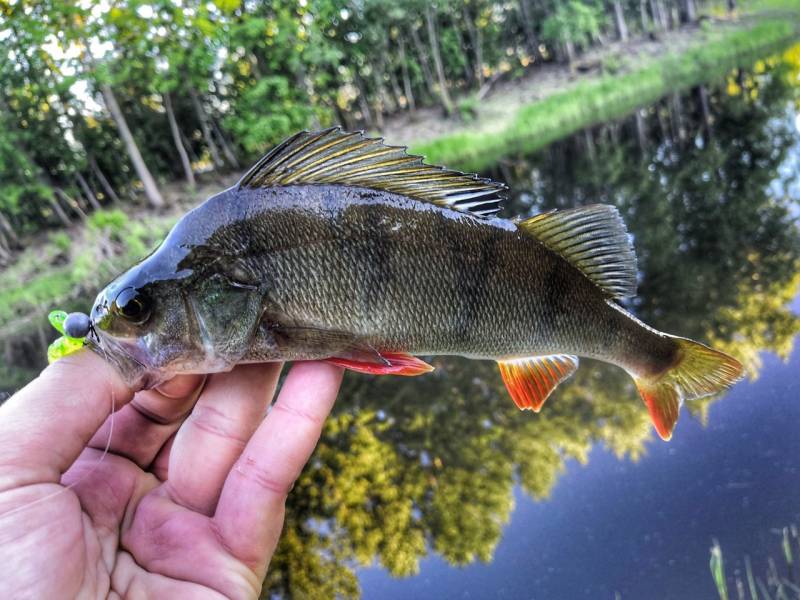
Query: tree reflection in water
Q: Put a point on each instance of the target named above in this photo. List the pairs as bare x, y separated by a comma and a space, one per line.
407, 467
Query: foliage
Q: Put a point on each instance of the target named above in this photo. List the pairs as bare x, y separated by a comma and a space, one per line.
236, 77
538, 124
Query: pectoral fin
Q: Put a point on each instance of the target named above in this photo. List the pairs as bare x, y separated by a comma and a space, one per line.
531, 380
384, 363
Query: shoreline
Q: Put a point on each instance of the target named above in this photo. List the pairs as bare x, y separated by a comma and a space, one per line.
594, 99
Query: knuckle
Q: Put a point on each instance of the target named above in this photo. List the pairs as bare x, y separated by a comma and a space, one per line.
249, 468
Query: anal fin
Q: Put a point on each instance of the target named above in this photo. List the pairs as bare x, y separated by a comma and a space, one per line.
386, 363
531, 380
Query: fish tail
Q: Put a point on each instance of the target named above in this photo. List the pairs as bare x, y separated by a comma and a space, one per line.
699, 371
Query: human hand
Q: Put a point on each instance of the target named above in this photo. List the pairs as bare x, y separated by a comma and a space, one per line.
189, 501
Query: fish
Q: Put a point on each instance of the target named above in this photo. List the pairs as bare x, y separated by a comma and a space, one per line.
339, 247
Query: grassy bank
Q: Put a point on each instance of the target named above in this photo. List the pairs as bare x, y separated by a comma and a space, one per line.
538, 124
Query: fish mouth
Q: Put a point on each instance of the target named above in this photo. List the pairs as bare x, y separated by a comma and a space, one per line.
128, 357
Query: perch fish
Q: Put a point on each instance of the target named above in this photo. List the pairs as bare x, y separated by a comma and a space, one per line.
337, 247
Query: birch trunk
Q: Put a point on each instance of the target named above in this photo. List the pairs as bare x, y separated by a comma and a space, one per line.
423, 62
151, 191
475, 38
59, 212
107, 189
87, 192
205, 128
6, 226
71, 203
407, 91
619, 21
643, 15
230, 155
447, 103
530, 33
176, 138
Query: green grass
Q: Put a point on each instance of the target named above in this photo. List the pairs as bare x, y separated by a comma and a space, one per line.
64, 270
585, 104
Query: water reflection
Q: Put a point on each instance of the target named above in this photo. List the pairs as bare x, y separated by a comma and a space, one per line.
411, 467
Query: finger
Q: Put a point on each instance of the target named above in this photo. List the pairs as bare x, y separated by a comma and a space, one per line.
47, 424
160, 466
250, 510
213, 436
139, 429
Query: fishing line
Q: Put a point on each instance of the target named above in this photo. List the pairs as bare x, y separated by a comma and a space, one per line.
66, 488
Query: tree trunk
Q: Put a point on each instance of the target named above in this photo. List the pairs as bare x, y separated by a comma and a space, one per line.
643, 16
363, 104
87, 192
569, 49
407, 91
6, 226
205, 128
687, 11
658, 20
107, 189
151, 192
71, 203
619, 21
59, 212
5, 249
189, 148
731, 6
379, 106
469, 73
530, 33
176, 138
444, 94
394, 84
230, 155
475, 38
423, 62
382, 103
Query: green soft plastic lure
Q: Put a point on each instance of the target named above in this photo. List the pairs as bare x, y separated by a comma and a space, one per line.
65, 345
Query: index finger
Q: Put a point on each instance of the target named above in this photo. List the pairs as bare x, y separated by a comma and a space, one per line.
45, 426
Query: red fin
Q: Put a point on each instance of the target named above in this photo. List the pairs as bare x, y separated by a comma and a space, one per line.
394, 363
664, 405
530, 380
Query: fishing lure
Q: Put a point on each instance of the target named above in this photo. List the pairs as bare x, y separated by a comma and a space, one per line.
73, 327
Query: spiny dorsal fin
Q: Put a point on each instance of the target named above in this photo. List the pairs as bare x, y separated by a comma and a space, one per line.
335, 157
593, 239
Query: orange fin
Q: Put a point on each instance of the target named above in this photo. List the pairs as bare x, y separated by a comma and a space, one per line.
664, 404
392, 363
531, 380
699, 371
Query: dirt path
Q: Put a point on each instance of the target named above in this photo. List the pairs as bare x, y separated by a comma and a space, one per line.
506, 97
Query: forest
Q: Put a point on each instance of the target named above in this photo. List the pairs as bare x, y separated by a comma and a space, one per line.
103, 103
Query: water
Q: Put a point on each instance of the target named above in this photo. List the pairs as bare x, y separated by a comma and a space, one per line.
438, 487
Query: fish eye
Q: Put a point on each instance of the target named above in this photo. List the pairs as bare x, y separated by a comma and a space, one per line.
133, 305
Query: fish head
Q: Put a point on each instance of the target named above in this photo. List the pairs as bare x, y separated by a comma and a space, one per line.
142, 326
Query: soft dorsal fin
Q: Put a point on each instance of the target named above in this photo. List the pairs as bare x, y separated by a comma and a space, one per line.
593, 239
335, 157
